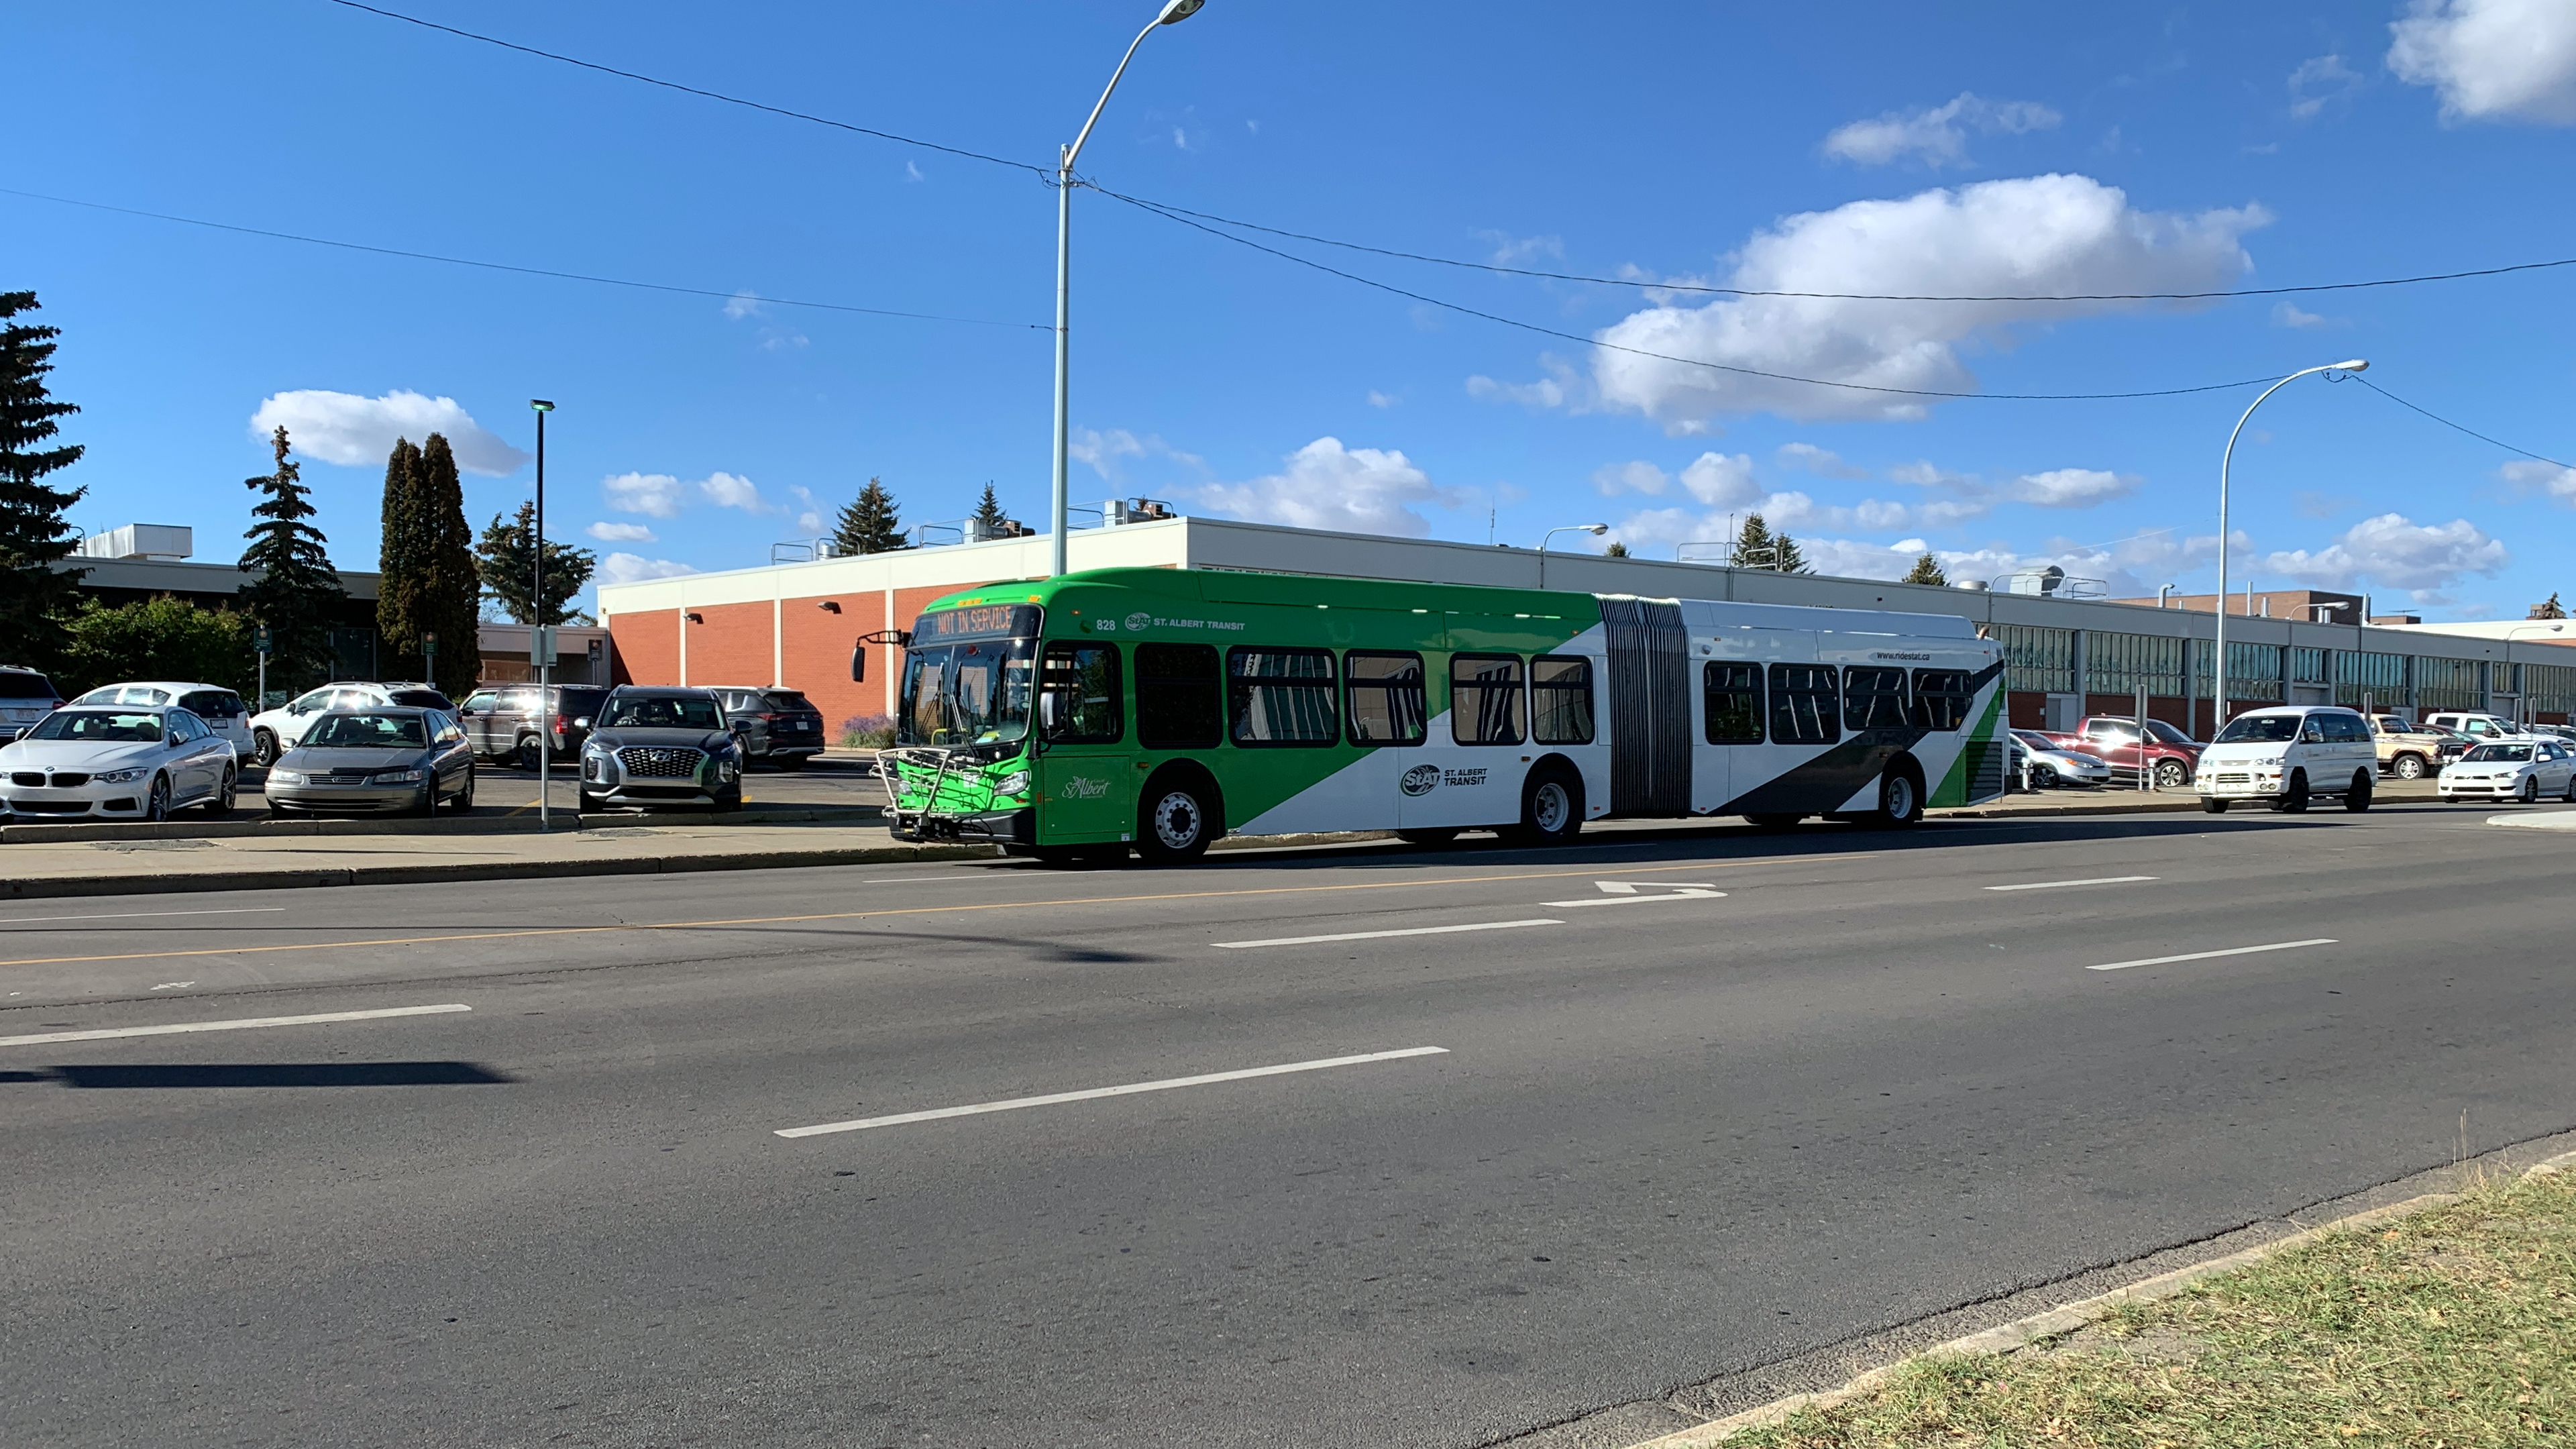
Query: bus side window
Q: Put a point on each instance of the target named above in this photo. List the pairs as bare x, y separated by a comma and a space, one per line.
1078, 695
1734, 703
1485, 699
1177, 701
1942, 698
1804, 700
1560, 700
1282, 696
1383, 698
1873, 698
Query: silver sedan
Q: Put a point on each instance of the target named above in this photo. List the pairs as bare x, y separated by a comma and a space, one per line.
400, 759
119, 762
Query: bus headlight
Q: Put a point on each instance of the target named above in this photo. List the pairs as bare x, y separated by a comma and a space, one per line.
1014, 783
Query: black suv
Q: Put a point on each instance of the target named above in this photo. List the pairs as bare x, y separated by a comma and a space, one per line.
660, 745
25, 698
502, 721
778, 726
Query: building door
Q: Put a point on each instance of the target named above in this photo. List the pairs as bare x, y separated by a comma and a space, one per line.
1083, 791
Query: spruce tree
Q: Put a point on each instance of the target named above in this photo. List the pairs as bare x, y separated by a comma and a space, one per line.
451, 598
1927, 570
870, 523
1753, 544
506, 558
402, 560
297, 591
1615, 550
35, 597
988, 515
1785, 556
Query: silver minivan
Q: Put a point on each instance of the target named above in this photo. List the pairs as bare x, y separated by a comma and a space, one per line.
2286, 756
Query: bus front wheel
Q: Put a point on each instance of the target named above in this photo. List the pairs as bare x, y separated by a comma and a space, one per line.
1900, 800
1176, 821
1551, 807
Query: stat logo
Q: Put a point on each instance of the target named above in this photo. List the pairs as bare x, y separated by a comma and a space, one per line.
1139, 621
1420, 780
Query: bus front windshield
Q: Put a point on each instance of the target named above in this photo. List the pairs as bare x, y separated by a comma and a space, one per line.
967, 694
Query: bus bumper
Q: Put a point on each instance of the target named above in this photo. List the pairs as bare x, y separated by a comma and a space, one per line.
1010, 827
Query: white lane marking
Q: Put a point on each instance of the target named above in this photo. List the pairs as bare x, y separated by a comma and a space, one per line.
2050, 885
905, 880
1377, 935
138, 915
1629, 887
243, 1024
1690, 895
174, 985
1165, 1085
2208, 955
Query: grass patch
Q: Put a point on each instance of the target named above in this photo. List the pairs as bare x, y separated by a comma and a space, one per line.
2453, 1328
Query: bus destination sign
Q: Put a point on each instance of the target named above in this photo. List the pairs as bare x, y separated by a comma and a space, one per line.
990, 621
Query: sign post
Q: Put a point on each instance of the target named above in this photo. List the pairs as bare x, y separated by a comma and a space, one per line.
259, 641
429, 657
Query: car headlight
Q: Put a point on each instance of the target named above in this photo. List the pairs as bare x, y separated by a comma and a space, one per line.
727, 768
276, 777
120, 777
399, 777
1014, 783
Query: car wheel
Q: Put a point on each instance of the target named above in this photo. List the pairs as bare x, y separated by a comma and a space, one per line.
525, 757
1551, 807
2215, 807
2357, 798
2531, 790
2172, 775
2043, 777
790, 763
1440, 836
462, 802
1900, 800
156, 801
263, 748
728, 803
2294, 800
593, 804
1175, 821
2571, 789
2408, 767
222, 805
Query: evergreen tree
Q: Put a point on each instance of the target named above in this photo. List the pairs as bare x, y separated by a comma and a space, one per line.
988, 515
506, 557
451, 597
1927, 570
1615, 550
402, 560
870, 524
297, 590
1785, 556
1753, 545
35, 597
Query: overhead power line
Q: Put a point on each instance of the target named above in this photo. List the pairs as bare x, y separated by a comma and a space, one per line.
350, 246
2455, 427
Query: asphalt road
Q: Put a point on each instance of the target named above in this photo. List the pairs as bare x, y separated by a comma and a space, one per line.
1758, 1096
503, 789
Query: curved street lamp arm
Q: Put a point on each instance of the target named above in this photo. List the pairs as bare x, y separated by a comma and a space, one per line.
2218, 645
1070, 152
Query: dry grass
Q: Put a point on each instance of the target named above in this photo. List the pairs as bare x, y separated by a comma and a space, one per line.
2452, 1328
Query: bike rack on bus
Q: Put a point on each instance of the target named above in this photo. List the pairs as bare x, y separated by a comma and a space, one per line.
934, 758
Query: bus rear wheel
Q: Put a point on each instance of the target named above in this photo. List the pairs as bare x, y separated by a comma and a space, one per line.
1551, 807
1175, 820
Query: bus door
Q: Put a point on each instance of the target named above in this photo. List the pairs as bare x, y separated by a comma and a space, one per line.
1385, 708
1083, 789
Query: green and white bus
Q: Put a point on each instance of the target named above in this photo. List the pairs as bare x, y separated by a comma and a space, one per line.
1157, 709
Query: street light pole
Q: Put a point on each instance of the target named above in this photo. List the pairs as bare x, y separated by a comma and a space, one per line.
1173, 13
538, 628
1595, 529
2218, 666
2522, 697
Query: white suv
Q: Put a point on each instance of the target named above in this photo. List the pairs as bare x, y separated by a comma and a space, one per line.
2478, 725
275, 731
2286, 756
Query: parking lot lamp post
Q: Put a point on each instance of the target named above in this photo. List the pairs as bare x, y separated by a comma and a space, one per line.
2524, 696
1173, 13
2218, 666
537, 628
1595, 529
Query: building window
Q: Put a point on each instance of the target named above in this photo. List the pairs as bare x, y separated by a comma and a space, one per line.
1942, 698
1177, 705
1485, 699
1560, 700
1384, 698
1078, 695
1874, 698
1733, 703
1803, 705
2308, 666
1282, 697
2038, 660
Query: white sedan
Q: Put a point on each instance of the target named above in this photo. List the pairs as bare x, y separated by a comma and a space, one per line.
117, 763
224, 712
2525, 770
2051, 767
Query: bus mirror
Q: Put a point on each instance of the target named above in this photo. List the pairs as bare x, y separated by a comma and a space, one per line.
859, 664
1046, 710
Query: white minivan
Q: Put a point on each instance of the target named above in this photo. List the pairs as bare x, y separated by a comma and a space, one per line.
2288, 755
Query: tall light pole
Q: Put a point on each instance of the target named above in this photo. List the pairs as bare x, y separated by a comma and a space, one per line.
537, 628
2523, 707
1173, 13
1595, 529
2218, 666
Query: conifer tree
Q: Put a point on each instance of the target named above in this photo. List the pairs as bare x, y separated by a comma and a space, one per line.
1615, 550
35, 597
870, 523
1753, 544
506, 557
450, 602
988, 514
297, 590
1785, 556
1927, 570
402, 561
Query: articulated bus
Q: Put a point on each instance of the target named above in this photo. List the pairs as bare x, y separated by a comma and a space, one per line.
1157, 709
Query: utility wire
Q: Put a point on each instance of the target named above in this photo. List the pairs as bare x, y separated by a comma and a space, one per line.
323, 241
2455, 427
1577, 337
694, 90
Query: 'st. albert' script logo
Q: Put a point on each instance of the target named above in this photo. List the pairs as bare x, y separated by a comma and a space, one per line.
1420, 780
1083, 787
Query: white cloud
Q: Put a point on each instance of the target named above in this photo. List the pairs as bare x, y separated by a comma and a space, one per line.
1547, 392
1823, 462
2549, 478
912, 171
2039, 235
809, 512
1102, 450
2071, 487
2287, 314
354, 431
732, 490
1378, 399
627, 568
621, 533
1514, 251
1715, 479
1937, 136
658, 495
2317, 81
1326, 485
745, 303
2492, 60
2396, 552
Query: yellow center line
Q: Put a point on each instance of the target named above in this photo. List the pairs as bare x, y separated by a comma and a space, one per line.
1605, 868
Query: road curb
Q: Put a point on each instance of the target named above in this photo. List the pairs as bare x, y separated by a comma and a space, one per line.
2055, 1322
520, 820
44, 887
2136, 804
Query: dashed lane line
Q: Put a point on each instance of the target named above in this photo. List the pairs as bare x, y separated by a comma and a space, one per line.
2050, 885
1379, 935
2213, 955
140, 915
48, 1038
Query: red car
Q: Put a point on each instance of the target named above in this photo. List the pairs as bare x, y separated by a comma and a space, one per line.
2172, 756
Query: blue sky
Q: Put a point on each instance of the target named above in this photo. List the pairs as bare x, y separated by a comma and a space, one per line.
1869, 148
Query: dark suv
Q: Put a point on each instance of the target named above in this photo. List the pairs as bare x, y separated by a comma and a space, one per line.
778, 726
25, 698
660, 745
502, 722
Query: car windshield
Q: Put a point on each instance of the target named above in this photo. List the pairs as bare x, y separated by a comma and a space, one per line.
98, 726
966, 694
2168, 733
423, 699
789, 699
2260, 729
368, 732
2500, 754
19, 684
647, 712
